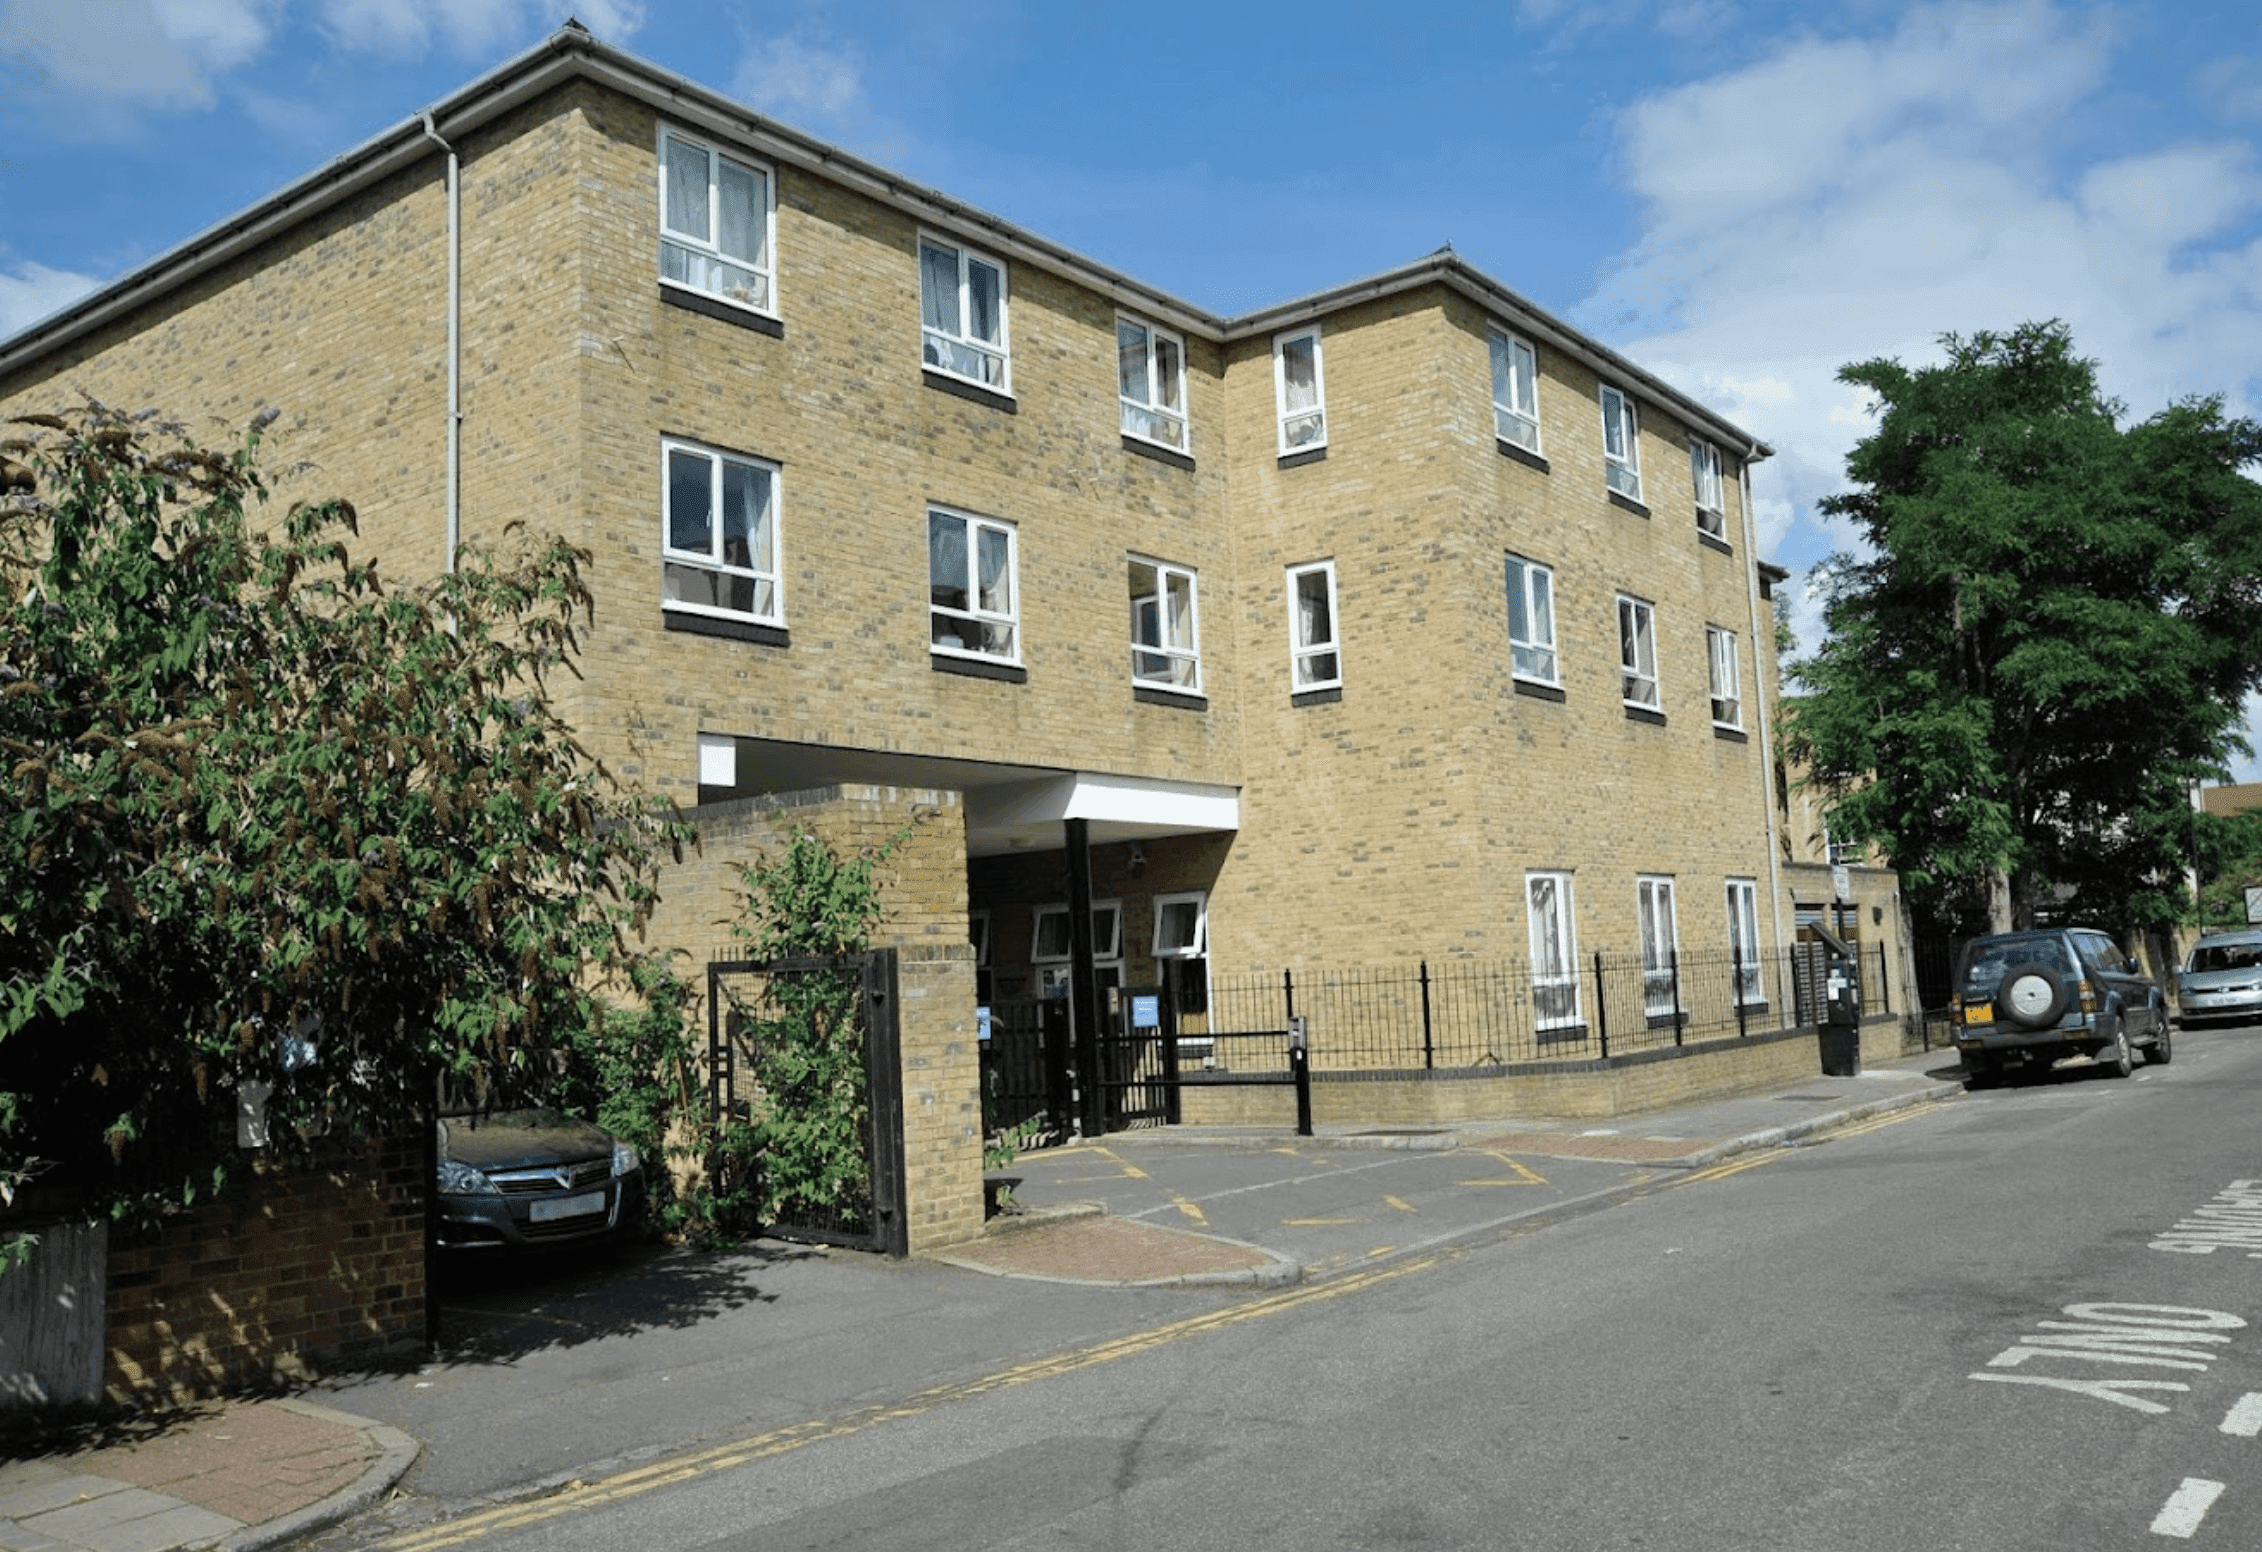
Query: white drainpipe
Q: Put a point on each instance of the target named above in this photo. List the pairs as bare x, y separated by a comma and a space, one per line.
455, 343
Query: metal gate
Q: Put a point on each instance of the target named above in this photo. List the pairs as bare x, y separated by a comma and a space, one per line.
1138, 1060
1028, 1070
780, 1033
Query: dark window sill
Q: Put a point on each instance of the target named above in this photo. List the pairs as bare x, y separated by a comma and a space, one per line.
1156, 451
1713, 541
1522, 455
1565, 1034
727, 312
728, 630
1326, 697
1644, 714
1729, 735
1148, 696
976, 668
1665, 1020
973, 393
1541, 692
1628, 503
1298, 460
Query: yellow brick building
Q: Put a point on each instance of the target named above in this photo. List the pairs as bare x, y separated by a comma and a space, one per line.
1397, 622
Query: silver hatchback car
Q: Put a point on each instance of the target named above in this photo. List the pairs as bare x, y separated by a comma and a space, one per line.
2221, 978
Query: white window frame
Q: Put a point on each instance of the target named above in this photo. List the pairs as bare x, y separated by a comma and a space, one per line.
1314, 414
1637, 653
1658, 927
1724, 677
978, 933
1515, 389
1109, 952
1743, 940
1315, 664
706, 267
1165, 663
1152, 390
1621, 443
1553, 974
712, 562
982, 625
946, 346
1531, 593
1704, 475
1199, 946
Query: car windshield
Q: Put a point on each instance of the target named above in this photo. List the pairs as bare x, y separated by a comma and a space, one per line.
1988, 961
2226, 956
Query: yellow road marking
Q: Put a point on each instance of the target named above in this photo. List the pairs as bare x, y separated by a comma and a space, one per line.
1735, 1166
739, 1452
1316, 1223
1401, 1206
1189, 1209
1524, 1176
1878, 1122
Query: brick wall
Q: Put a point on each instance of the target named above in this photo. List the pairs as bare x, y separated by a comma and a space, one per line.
923, 891
287, 1271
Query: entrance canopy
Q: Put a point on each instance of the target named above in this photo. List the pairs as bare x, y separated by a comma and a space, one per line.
1009, 808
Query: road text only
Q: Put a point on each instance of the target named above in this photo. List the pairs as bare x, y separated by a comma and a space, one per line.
2158, 1336
2233, 1220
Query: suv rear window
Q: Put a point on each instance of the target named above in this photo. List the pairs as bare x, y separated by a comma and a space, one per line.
1984, 971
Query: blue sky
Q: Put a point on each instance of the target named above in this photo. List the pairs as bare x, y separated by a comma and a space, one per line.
1741, 195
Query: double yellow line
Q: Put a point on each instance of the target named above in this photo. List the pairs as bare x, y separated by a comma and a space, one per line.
580, 1497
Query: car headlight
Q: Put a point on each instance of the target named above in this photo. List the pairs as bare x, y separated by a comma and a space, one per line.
460, 1179
625, 1159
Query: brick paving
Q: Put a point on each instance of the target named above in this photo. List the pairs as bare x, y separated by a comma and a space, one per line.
250, 1462
1100, 1248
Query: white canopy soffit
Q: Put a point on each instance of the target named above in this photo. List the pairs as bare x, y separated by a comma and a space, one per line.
1009, 808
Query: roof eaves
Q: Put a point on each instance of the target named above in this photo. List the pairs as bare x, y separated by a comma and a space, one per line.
1447, 268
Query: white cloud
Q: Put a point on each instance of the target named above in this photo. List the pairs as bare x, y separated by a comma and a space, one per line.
1841, 199
406, 28
29, 292
793, 77
155, 53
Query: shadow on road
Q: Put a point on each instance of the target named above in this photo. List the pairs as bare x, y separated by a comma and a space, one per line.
502, 1309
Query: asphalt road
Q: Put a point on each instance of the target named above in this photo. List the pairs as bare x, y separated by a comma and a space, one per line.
2029, 1318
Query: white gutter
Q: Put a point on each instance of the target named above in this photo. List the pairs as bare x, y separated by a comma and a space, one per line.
1766, 731
455, 341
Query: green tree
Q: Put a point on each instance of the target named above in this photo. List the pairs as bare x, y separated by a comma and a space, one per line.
2047, 644
269, 818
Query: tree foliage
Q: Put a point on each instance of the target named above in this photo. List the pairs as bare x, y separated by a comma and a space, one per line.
2049, 640
269, 818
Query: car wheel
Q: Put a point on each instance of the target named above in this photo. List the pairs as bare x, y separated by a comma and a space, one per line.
2162, 1050
2123, 1062
2033, 996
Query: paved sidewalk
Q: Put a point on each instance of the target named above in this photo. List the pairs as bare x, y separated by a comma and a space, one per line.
237, 1475
259, 1473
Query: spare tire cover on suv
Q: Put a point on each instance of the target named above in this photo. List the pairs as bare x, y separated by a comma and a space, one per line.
2032, 995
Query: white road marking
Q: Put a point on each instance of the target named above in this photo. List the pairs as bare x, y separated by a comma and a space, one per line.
2245, 1417
2186, 1507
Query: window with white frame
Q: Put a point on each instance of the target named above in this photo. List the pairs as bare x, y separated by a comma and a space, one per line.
1515, 391
717, 223
1314, 657
1720, 670
1704, 474
1299, 390
1531, 620
1743, 938
1621, 444
1637, 652
1555, 950
1049, 942
1166, 642
1182, 934
971, 586
1150, 366
719, 534
978, 933
962, 314
1660, 943
1182, 925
